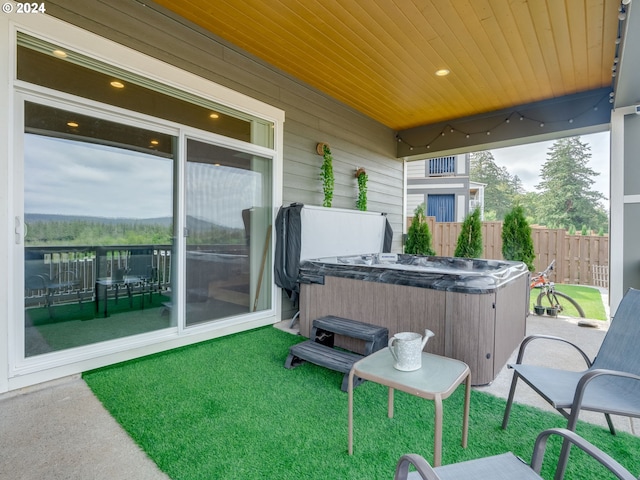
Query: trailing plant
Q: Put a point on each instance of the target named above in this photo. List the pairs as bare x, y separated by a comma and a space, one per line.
517, 244
419, 237
326, 174
470, 239
362, 177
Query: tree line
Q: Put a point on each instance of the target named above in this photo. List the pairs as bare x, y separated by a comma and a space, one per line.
564, 198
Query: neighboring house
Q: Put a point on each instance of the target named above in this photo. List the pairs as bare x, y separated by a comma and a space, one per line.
443, 185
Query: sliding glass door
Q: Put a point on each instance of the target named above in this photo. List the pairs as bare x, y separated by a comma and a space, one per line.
228, 230
147, 210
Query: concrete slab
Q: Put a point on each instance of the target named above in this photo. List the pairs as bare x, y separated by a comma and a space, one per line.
60, 430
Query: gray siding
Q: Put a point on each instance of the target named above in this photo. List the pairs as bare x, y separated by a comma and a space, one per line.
310, 116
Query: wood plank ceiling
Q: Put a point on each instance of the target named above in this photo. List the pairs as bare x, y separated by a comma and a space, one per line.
380, 56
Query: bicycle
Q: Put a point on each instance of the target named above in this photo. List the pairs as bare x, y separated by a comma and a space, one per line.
549, 298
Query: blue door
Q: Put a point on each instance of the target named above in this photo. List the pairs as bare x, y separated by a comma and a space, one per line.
442, 207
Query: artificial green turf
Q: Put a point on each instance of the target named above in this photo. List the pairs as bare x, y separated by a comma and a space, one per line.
228, 409
588, 298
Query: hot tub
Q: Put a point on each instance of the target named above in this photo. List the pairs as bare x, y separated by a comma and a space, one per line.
477, 308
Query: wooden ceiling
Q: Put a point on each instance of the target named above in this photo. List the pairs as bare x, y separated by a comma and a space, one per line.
380, 56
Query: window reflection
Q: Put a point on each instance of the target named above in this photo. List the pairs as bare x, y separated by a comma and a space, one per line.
228, 222
98, 202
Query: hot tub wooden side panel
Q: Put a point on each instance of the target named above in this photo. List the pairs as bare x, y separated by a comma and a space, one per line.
470, 332
399, 308
482, 330
512, 309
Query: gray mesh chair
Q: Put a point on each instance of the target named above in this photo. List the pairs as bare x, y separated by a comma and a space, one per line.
610, 384
505, 466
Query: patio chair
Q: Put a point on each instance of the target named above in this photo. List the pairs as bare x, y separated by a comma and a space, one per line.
506, 466
610, 384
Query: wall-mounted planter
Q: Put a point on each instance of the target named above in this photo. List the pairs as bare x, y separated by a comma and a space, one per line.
362, 178
326, 173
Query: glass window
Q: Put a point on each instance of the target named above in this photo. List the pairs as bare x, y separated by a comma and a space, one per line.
442, 165
98, 202
47, 65
229, 231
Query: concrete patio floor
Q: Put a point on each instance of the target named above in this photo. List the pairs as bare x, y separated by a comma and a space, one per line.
59, 430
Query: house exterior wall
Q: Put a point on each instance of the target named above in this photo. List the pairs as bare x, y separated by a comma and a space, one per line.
310, 117
420, 184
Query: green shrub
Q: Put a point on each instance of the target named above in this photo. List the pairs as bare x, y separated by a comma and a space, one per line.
419, 237
470, 239
517, 244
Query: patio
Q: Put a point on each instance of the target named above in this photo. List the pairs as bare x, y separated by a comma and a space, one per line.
60, 429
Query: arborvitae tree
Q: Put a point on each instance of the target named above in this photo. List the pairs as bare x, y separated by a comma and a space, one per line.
517, 244
470, 239
419, 236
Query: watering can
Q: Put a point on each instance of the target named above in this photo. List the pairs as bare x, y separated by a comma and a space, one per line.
406, 349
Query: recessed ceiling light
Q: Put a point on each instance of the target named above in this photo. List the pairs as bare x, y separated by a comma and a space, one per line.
214, 115
60, 53
443, 72
117, 84
73, 124
154, 142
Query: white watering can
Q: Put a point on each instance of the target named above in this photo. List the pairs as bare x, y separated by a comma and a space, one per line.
406, 349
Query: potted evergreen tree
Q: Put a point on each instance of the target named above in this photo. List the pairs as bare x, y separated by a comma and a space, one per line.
419, 237
517, 244
470, 239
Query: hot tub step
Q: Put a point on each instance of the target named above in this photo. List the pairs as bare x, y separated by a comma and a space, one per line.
374, 336
318, 354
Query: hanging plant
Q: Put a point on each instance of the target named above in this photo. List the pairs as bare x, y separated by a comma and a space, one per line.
362, 177
326, 174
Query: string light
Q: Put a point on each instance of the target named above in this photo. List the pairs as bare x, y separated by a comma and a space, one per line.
522, 117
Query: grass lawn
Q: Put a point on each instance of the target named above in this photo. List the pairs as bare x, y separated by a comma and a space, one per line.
588, 298
228, 409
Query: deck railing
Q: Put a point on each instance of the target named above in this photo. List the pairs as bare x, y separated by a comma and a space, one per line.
60, 273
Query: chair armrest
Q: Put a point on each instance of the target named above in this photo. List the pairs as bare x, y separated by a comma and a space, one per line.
541, 442
420, 464
582, 386
531, 338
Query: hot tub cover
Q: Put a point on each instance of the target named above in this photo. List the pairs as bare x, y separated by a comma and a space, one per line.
462, 275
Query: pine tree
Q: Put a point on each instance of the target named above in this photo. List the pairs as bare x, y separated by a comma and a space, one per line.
419, 237
566, 181
470, 239
517, 244
501, 188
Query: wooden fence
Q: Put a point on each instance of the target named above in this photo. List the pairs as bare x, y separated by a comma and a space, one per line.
580, 259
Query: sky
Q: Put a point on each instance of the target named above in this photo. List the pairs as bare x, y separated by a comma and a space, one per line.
527, 160
67, 177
